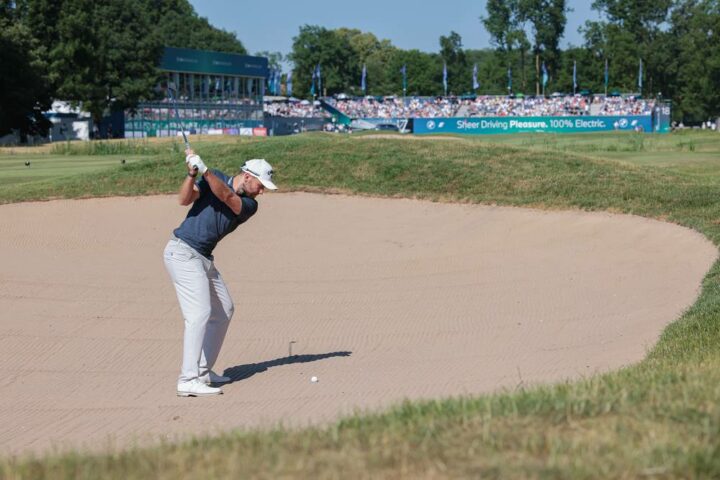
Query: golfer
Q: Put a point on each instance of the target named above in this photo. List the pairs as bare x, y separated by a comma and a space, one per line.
219, 204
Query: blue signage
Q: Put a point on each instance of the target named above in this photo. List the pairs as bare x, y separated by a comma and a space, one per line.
491, 125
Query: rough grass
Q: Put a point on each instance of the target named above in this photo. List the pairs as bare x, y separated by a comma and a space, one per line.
657, 419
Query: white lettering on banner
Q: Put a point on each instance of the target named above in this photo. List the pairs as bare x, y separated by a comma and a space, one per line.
596, 123
495, 124
465, 125
527, 124
186, 60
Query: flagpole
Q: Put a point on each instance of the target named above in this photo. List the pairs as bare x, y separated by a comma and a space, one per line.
606, 76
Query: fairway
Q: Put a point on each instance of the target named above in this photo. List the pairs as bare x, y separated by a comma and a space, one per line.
55, 167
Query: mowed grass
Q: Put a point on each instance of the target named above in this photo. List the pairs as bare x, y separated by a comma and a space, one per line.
657, 419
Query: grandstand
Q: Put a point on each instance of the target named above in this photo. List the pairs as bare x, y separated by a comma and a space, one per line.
216, 93
556, 113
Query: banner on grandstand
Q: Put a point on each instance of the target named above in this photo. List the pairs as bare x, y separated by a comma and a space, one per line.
170, 128
488, 125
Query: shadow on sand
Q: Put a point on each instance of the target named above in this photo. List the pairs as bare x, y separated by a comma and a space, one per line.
241, 372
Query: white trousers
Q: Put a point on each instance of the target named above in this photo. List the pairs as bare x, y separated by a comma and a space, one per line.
205, 304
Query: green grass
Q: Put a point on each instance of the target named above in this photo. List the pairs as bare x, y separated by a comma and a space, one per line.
657, 419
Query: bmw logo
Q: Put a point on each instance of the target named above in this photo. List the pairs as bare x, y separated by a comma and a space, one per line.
430, 124
623, 123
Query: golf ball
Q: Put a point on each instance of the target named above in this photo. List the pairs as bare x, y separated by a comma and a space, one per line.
313, 379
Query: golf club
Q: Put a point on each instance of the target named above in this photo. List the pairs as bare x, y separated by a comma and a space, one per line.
171, 94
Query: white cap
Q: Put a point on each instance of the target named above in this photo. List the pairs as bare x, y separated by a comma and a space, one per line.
260, 169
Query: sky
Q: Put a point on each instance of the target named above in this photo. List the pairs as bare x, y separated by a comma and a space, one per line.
271, 26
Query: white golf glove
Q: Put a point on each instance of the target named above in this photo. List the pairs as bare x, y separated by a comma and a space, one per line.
195, 161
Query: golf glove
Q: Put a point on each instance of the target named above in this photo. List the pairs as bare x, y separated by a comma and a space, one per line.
195, 161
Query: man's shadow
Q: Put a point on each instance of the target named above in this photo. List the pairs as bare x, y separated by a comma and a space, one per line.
241, 372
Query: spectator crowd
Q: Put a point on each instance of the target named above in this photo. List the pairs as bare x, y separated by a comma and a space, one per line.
483, 106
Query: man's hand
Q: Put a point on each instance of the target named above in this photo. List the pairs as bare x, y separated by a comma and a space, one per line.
195, 163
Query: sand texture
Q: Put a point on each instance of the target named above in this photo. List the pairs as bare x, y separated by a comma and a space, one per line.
383, 299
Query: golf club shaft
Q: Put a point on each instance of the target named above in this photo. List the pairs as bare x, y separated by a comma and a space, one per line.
177, 117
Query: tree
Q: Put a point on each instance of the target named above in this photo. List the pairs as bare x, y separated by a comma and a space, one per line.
547, 20
453, 55
315, 46
177, 25
696, 62
633, 31
504, 23
24, 88
106, 55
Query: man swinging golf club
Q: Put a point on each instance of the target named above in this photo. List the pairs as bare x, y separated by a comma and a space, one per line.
219, 204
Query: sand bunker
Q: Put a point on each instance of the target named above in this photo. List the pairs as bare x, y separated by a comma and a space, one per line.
384, 299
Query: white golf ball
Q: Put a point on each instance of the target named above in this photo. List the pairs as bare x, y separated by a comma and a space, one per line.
313, 379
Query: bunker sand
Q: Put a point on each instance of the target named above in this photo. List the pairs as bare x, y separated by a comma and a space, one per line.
384, 299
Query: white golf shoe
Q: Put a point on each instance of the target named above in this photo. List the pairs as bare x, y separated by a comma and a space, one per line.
196, 388
212, 377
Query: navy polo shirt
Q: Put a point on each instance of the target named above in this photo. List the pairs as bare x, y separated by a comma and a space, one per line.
209, 219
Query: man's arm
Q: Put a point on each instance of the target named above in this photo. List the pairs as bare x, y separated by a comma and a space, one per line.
223, 192
188, 191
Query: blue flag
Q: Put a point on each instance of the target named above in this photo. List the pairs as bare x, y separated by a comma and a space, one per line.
640, 76
363, 85
403, 70
574, 76
445, 77
318, 75
288, 84
312, 83
544, 75
476, 85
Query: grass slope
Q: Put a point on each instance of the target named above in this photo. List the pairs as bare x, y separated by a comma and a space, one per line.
658, 419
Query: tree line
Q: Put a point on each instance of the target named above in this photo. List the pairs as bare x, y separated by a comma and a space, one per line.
676, 40
101, 53
104, 53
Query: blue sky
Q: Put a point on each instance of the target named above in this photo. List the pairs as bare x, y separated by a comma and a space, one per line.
271, 26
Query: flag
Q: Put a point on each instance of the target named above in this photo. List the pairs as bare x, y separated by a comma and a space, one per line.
544, 75
640, 75
574, 76
288, 81
403, 70
318, 75
445, 77
312, 82
363, 85
476, 85
607, 74
509, 75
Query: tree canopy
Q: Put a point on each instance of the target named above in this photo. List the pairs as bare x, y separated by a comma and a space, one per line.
104, 54
100, 53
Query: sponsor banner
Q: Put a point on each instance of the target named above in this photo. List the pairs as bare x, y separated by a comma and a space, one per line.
246, 131
209, 63
170, 128
379, 121
490, 125
260, 132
